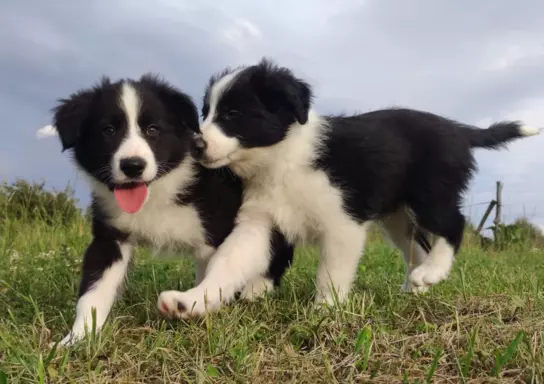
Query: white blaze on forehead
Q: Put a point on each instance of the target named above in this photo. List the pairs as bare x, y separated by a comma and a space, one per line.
130, 103
133, 144
217, 90
218, 145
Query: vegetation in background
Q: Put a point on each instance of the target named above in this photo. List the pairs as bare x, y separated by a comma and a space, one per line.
26, 201
484, 324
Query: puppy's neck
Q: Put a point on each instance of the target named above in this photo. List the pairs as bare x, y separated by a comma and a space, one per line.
299, 148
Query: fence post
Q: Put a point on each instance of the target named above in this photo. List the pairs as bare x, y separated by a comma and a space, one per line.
486, 215
498, 199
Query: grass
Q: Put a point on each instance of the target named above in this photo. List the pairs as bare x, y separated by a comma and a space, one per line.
484, 324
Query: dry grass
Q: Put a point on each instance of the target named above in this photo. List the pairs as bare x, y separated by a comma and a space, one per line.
484, 325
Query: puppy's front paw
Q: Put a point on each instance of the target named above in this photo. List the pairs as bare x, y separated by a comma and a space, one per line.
408, 287
183, 305
69, 340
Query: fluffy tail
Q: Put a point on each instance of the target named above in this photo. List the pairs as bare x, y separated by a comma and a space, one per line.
497, 135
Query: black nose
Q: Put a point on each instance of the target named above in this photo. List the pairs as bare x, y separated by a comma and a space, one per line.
199, 145
132, 166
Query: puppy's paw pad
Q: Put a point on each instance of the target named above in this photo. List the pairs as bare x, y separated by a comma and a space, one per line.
172, 304
183, 305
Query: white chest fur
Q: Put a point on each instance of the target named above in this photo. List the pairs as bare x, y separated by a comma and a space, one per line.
303, 204
301, 200
162, 222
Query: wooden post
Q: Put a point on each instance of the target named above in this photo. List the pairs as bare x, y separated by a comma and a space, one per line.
486, 215
497, 220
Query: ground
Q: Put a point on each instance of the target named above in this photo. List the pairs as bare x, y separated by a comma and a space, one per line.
484, 324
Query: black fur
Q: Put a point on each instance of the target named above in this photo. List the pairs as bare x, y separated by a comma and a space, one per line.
101, 253
81, 121
263, 100
381, 160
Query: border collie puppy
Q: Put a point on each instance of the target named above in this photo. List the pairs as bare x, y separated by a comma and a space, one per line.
324, 179
133, 140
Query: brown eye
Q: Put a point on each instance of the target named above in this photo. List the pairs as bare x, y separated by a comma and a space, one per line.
108, 130
152, 131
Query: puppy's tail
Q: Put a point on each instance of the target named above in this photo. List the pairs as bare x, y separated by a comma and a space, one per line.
498, 135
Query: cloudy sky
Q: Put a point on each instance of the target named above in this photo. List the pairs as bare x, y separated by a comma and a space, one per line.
477, 62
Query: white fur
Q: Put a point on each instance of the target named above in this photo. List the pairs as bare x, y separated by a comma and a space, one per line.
340, 254
256, 288
166, 224
219, 146
285, 189
436, 266
527, 130
242, 257
100, 296
161, 220
134, 145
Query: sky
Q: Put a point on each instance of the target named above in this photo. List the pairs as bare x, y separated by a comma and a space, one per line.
476, 62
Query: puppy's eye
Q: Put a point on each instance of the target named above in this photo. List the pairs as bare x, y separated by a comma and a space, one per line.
152, 131
108, 130
229, 115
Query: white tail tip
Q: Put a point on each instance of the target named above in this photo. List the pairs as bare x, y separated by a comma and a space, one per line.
528, 130
47, 131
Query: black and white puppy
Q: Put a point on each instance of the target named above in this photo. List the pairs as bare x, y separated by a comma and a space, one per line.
133, 141
324, 179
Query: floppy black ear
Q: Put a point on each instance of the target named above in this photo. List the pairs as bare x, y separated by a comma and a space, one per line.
179, 104
70, 115
279, 90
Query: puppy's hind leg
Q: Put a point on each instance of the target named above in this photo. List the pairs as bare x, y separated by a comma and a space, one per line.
448, 226
410, 240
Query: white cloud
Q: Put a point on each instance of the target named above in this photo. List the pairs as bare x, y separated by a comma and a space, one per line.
47, 131
513, 51
241, 34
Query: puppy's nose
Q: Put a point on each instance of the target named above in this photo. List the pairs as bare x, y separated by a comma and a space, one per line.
199, 145
132, 166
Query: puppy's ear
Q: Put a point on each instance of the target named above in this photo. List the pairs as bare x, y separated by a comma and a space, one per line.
70, 115
280, 91
180, 105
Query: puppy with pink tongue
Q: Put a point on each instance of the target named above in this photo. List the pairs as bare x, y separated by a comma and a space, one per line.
131, 200
127, 135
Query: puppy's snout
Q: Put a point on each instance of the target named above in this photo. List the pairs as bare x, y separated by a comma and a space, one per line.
199, 145
133, 166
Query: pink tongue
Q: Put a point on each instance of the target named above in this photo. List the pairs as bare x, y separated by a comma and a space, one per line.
131, 199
